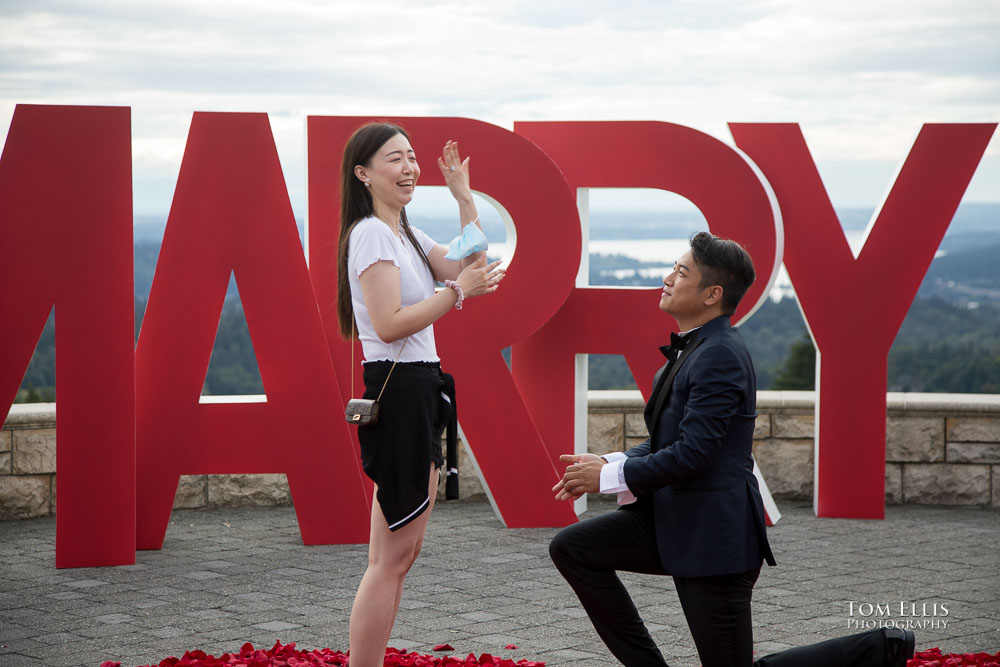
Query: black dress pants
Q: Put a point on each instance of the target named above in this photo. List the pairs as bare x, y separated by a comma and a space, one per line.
863, 649
590, 553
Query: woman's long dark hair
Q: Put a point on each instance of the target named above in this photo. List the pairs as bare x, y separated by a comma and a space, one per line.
356, 205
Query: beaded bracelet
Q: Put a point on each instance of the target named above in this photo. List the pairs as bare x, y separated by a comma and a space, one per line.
458, 290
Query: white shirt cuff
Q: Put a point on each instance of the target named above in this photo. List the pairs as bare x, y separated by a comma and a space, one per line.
613, 477
611, 457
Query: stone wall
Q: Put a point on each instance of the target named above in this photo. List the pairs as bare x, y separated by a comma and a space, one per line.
941, 449
28, 462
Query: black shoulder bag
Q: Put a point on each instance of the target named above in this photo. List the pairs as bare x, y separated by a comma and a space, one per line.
364, 411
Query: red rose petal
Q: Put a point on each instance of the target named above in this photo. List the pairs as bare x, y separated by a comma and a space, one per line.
933, 658
286, 655
511, 647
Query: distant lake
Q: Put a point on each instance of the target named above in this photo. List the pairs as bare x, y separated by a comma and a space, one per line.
665, 251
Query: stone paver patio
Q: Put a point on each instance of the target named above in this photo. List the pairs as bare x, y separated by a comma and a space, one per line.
228, 576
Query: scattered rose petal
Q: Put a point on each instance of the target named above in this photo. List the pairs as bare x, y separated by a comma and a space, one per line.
286, 655
933, 658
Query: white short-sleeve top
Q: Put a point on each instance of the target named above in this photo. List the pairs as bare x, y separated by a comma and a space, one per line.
373, 241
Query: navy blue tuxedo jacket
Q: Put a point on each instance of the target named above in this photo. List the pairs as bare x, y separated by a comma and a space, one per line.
695, 471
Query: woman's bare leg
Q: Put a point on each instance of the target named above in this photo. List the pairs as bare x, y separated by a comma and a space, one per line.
432, 485
390, 556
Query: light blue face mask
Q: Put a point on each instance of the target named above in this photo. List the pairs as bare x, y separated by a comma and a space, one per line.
469, 241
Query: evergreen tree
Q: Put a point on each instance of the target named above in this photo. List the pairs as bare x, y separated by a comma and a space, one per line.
799, 371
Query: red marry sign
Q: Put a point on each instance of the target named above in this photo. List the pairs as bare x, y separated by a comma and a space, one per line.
65, 206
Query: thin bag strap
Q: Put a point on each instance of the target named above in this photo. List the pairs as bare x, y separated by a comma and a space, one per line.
392, 369
396, 361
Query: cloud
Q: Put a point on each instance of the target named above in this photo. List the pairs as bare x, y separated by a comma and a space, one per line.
859, 76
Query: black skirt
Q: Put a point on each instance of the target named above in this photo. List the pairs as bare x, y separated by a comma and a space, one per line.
397, 452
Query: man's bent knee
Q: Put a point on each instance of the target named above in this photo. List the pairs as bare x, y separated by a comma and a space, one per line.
561, 545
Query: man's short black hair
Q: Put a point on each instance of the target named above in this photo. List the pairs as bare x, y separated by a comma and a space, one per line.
723, 262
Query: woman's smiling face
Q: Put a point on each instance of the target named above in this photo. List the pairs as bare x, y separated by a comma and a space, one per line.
392, 173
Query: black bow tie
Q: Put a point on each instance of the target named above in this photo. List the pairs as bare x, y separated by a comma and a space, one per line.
677, 343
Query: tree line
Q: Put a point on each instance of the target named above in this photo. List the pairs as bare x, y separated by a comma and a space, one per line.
947, 343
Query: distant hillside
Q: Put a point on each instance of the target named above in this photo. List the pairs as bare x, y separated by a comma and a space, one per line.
968, 275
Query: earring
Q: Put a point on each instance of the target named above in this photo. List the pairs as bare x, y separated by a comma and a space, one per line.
368, 184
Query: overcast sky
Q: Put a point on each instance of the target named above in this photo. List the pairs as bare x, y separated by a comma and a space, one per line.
860, 77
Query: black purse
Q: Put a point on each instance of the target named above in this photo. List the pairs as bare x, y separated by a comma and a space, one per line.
362, 411
365, 411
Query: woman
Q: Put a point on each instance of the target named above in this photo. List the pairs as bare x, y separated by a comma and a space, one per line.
386, 274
